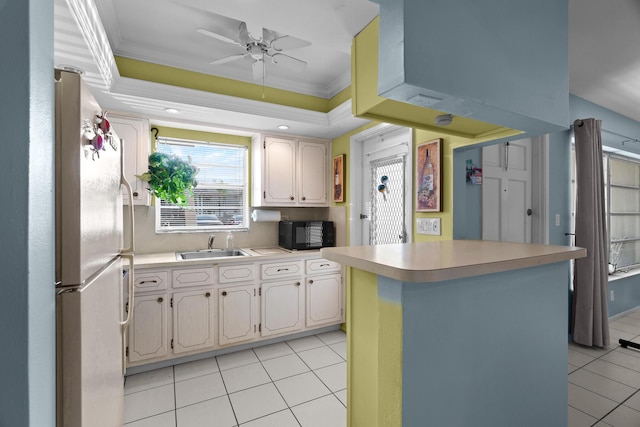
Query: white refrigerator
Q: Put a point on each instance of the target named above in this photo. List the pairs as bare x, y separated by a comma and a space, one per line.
91, 318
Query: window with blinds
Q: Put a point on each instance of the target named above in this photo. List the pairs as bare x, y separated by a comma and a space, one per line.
221, 197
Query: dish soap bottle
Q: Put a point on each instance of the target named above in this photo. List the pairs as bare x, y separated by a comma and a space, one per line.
229, 241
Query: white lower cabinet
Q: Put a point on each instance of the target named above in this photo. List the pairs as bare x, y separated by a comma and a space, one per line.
324, 299
194, 320
281, 307
148, 338
237, 317
184, 310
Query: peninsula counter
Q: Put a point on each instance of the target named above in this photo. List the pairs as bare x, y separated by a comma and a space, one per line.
456, 333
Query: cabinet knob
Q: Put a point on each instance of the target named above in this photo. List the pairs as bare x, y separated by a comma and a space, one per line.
135, 194
160, 300
310, 281
224, 293
208, 294
297, 283
304, 198
292, 198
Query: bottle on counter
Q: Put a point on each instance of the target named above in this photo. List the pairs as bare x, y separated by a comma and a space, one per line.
229, 241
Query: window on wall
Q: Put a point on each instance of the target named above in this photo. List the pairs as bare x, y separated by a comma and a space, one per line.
622, 203
221, 198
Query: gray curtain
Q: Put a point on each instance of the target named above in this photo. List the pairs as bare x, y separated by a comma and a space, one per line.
590, 321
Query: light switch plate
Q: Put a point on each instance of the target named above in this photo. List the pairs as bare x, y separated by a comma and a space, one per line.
429, 226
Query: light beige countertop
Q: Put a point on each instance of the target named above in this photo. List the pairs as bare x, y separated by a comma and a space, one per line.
168, 259
449, 259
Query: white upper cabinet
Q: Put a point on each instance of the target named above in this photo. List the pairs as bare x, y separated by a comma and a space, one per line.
288, 171
134, 132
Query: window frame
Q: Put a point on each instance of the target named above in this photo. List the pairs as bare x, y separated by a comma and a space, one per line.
160, 205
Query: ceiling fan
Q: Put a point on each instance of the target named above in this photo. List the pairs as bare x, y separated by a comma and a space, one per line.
268, 47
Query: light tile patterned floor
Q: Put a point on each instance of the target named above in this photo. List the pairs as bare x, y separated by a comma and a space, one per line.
297, 383
302, 383
604, 384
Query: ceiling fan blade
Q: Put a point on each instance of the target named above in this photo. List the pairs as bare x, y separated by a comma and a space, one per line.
259, 71
288, 42
218, 37
228, 59
244, 35
288, 61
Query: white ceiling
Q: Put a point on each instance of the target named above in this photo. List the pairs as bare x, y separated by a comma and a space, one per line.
604, 59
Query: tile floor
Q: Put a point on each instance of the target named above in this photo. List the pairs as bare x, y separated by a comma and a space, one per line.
604, 384
297, 383
302, 383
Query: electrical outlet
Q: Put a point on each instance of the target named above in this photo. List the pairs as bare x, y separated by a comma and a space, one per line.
428, 226
612, 295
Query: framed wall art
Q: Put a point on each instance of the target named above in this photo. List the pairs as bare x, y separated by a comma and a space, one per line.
428, 176
338, 178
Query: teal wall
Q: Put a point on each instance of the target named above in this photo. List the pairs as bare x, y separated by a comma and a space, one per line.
27, 320
616, 128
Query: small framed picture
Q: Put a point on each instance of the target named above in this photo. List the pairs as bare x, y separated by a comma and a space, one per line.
338, 178
428, 176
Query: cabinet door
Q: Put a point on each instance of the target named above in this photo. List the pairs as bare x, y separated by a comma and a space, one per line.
313, 164
324, 299
134, 132
148, 331
194, 320
237, 317
282, 307
279, 171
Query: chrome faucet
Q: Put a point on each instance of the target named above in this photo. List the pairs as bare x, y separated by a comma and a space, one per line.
210, 243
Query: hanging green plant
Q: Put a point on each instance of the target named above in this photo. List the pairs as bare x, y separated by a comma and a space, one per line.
170, 178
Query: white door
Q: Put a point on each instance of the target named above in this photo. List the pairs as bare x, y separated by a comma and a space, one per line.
324, 299
506, 191
386, 188
193, 320
280, 171
237, 314
282, 306
148, 331
312, 161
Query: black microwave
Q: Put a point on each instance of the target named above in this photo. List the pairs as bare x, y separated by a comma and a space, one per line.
306, 234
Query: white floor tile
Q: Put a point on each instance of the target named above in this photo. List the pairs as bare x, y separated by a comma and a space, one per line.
632, 329
334, 376
210, 413
579, 359
623, 358
320, 357
615, 372
272, 351
306, 343
634, 401
186, 371
342, 395
623, 416
340, 348
199, 389
285, 366
239, 358
616, 334
256, 402
301, 388
580, 419
589, 402
630, 320
149, 402
167, 419
147, 380
279, 419
603, 386
323, 412
244, 377
332, 337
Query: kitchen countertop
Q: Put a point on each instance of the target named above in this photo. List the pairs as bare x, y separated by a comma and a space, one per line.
450, 259
168, 259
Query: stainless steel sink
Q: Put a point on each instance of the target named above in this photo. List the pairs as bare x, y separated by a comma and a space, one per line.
209, 253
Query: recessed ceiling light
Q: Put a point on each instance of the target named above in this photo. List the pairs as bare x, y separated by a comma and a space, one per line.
283, 127
172, 110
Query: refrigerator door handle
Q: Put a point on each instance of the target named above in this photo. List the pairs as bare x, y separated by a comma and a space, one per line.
127, 321
123, 181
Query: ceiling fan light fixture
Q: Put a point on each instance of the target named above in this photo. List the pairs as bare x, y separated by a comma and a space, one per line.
444, 119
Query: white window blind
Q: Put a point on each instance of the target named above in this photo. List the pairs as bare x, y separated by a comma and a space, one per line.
220, 200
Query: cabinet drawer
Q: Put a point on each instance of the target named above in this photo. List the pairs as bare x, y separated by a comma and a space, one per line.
192, 277
280, 269
236, 273
151, 280
321, 265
